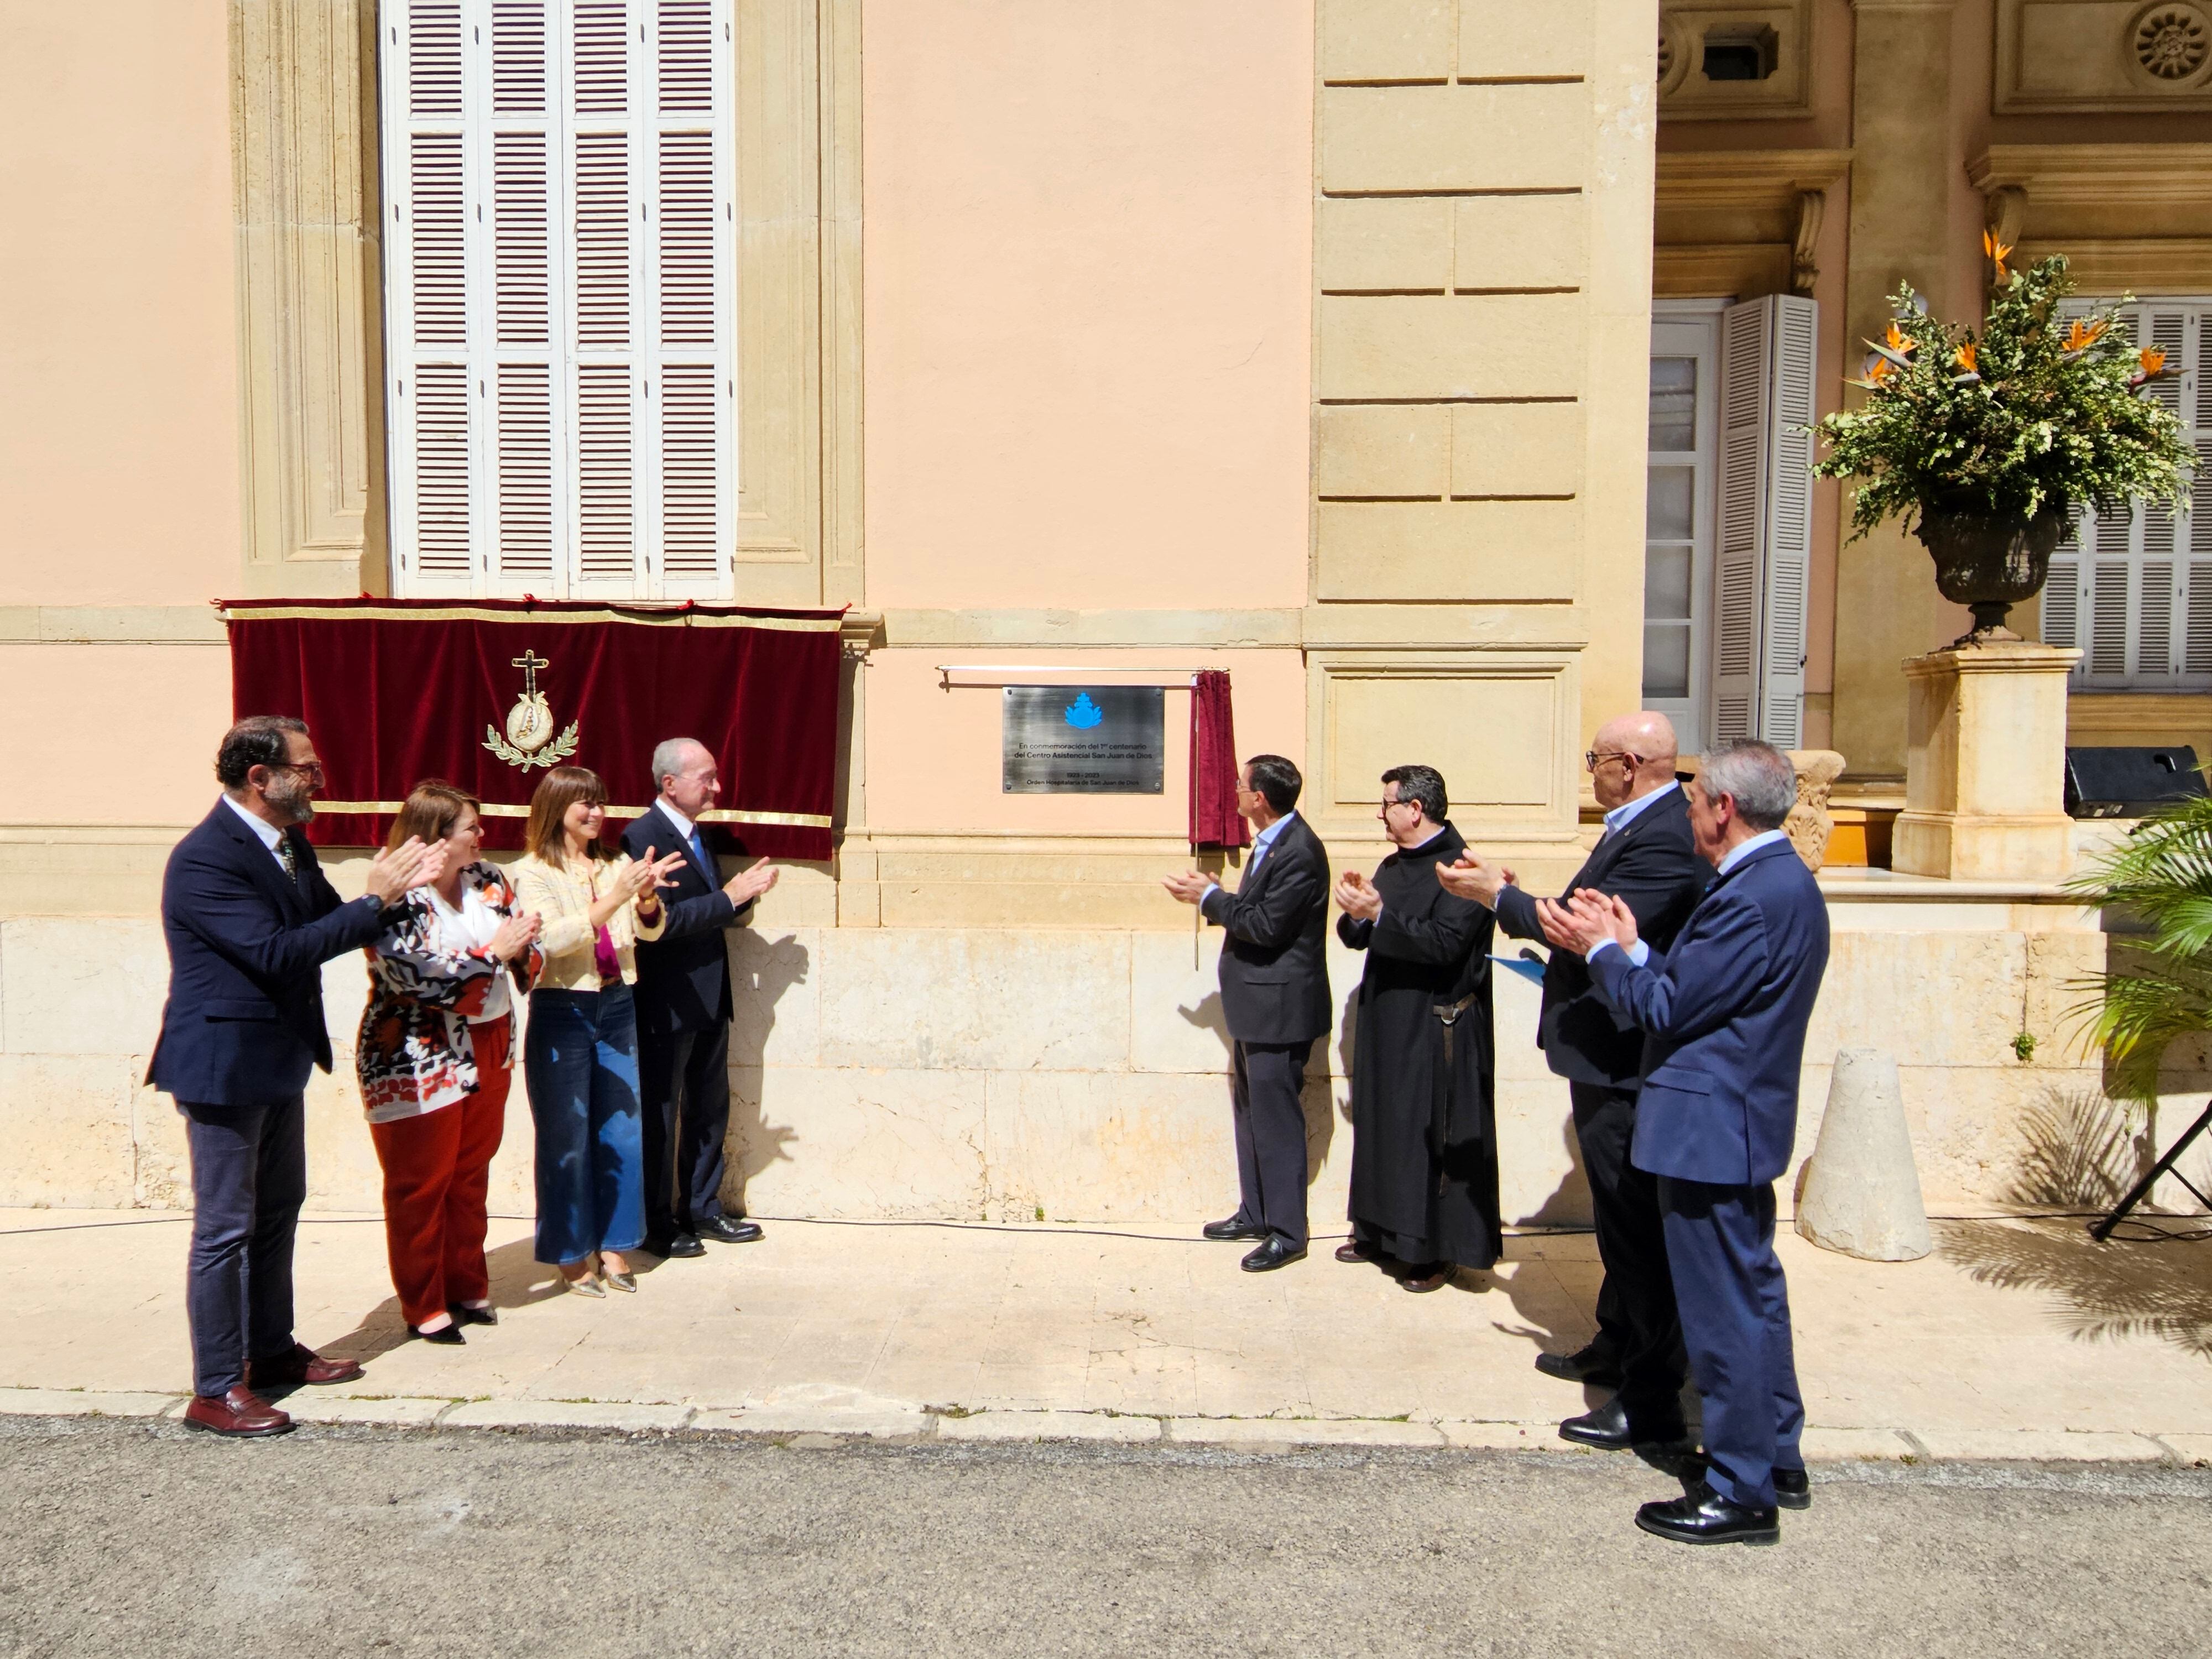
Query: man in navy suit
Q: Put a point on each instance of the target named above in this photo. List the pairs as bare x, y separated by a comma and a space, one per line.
684, 1008
1274, 994
250, 921
1723, 1014
1648, 858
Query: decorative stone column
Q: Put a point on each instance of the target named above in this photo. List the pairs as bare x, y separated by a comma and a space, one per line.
1985, 763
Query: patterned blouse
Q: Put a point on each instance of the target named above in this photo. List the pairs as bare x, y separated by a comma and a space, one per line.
415, 1053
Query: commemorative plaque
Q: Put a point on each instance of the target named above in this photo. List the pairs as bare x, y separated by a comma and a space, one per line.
1083, 739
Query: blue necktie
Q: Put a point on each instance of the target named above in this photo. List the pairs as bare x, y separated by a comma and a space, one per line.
706, 858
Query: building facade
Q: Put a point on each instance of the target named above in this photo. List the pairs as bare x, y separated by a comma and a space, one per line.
1342, 345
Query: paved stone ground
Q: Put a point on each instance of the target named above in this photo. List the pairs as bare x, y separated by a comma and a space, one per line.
2014, 1340
137, 1538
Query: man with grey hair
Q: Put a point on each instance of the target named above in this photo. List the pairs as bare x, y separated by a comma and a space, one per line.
683, 1009
1724, 1014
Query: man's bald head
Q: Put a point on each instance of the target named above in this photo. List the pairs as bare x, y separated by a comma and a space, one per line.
1635, 754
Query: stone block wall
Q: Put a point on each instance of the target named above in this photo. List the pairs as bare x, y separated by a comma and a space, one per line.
974, 1074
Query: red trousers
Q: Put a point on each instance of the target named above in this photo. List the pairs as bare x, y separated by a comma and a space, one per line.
436, 1169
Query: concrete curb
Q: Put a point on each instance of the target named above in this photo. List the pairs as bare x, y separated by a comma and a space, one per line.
829, 1425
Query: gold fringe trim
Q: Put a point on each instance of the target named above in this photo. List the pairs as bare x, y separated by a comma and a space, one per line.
494, 809
470, 613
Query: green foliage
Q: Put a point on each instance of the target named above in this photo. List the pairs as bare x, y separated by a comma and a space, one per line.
2023, 1046
2036, 413
2156, 986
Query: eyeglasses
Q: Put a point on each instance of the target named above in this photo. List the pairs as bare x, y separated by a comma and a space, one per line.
311, 769
1591, 759
1387, 805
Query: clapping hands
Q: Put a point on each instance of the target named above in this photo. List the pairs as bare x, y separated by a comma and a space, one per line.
643, 879
1357, 897
1586, 920
513, 939
1471, 876
751, 883
402, 869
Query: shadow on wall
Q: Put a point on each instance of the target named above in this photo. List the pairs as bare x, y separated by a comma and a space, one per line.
2081, 1150
1569, 1204
2106, 1291
760, 973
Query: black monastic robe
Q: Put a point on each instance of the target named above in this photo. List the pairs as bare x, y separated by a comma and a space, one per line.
1424, 1135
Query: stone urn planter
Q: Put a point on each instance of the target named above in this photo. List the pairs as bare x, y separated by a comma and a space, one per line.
1989, 564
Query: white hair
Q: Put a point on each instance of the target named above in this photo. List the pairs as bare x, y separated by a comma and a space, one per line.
1757, 775
668, 759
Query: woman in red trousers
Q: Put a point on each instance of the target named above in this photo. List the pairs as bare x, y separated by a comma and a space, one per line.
435, 1057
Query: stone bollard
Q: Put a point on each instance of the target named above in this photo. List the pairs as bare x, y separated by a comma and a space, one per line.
1860, 1191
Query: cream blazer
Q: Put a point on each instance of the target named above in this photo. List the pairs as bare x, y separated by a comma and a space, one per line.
563, 899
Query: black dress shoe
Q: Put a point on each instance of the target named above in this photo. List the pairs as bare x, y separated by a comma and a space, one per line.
1702, 1516
1793, 1490
727, 1229
680, 1244
446, 1336
1609, 1428
465, 1315
1275, 1252
1589, 1364
1234, 1228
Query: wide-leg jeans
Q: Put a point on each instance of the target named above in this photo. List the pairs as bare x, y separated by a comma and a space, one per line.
579, 1063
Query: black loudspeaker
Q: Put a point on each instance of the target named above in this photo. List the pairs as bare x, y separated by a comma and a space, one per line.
2127, 783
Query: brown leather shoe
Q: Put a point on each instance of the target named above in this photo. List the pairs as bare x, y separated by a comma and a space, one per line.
240, 1414
302, 1365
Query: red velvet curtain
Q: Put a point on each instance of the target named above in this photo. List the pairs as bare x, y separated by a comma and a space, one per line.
400, 690
1214, 764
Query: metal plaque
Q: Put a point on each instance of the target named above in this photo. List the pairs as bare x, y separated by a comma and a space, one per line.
1084, 739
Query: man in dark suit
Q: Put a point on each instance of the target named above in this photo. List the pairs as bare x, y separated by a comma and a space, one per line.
1274, 993
1724, 1015
1647, 858
684, 1008
250, 921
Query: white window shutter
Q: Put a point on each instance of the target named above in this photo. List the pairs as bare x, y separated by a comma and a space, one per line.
1768, 349
562, 294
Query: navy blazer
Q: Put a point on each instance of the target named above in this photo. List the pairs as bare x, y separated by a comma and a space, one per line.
1724, 1014
1653, 864
683, 976
244, 1022
1275, 971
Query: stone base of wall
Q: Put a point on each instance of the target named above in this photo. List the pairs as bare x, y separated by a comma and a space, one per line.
1081, 1076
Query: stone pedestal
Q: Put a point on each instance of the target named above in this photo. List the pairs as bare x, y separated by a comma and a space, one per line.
1860, 1191
1986, 764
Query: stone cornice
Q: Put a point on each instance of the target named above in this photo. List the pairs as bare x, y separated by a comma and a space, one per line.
2097, 175
1745, 178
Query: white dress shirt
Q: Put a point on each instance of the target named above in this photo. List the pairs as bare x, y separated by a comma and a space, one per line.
272, 837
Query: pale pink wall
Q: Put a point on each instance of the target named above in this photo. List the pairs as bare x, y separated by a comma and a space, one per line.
145, 719
934, 754
1088, 258
119, 453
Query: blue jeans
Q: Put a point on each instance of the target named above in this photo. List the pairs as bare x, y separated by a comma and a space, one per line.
579, 1062
249, 1179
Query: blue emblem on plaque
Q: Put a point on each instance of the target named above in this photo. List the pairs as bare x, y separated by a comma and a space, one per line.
1082, 713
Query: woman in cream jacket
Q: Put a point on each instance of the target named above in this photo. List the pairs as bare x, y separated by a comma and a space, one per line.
580, 1054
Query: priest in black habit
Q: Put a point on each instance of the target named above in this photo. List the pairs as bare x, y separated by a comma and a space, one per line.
1423, 1114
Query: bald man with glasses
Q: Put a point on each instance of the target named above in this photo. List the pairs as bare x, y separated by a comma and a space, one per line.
1648, 858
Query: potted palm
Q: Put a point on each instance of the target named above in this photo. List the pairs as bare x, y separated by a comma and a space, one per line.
1979, 444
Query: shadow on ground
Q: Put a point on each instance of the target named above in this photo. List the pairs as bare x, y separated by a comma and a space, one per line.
517, 1280
2103, 1291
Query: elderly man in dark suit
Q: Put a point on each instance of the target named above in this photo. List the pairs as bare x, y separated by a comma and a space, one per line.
250, 921
1274, 993
1723, 1014
685, 1007
1647, 858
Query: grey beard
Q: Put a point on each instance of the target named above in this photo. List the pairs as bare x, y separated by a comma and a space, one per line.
295, 802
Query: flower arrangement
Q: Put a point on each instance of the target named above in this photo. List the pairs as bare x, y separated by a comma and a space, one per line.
2034, 415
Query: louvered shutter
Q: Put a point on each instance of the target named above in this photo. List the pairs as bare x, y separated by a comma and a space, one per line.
1765, 545
561, 299
2132, 588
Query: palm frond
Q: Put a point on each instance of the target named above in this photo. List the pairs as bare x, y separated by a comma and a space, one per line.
2157, 984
